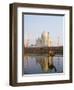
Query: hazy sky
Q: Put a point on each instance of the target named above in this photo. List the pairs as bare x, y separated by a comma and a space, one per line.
34, 25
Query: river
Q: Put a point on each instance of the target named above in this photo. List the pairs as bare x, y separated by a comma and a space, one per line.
38, 64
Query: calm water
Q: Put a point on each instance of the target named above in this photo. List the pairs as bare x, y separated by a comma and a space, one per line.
35, 64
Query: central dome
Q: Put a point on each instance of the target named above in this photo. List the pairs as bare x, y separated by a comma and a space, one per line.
45, 34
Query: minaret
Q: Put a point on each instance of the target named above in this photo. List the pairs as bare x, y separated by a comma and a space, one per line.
27, 43
27, 40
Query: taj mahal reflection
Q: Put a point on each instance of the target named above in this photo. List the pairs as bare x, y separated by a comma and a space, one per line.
46, 63
35, 64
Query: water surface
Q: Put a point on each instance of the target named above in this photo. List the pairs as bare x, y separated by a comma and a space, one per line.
38, 64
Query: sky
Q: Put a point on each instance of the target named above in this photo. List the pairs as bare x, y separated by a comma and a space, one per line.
34, 25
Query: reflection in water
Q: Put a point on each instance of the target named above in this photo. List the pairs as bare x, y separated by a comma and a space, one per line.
35, 64
46, 63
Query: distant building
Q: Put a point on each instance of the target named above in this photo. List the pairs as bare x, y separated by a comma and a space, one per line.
38, 42
44, 41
